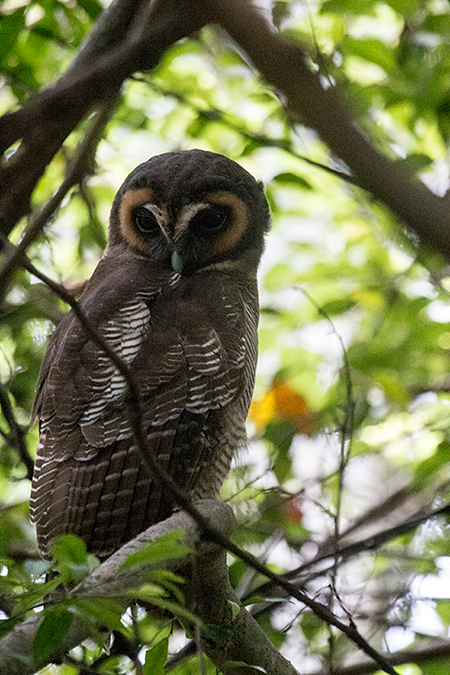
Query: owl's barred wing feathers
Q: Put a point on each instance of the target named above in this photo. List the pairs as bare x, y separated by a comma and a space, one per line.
186, 341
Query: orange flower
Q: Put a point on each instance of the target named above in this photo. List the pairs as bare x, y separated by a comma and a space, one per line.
283, 402
293, 510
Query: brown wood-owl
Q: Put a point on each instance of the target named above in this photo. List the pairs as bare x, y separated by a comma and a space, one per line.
175, 296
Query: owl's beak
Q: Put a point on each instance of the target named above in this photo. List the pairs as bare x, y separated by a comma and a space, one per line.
177, 262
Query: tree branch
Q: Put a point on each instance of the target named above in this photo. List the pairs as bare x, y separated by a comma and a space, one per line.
210, 599
346, 551
83, 162
17, 434
434, 652
284, 65
49, 117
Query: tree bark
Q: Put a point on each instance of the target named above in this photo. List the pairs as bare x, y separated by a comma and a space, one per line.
210, 596
283, 64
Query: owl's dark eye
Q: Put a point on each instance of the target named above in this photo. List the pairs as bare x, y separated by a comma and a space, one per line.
145, 221
212, 219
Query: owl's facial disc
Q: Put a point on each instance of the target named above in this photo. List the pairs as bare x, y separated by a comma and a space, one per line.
196, 228
213, 229
208, 231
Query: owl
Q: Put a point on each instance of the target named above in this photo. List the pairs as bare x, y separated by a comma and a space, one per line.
175, 296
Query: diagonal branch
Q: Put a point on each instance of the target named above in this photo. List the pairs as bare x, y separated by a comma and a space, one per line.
283, 64
160, 474
81, 164
49, 117
421, 655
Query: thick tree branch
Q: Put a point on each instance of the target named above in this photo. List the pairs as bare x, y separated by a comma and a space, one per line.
284, 66
210, 598
434, 652
49, 117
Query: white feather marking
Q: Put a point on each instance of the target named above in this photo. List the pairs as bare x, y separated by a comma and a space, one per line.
125, 334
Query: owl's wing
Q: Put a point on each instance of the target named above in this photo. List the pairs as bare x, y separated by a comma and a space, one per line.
188, 358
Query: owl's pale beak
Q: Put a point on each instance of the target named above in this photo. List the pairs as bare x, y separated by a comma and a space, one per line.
177, 262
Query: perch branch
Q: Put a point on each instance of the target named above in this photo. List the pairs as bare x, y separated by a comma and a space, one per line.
244, 640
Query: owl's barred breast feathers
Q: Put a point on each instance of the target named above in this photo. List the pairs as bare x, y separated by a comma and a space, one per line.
175, 296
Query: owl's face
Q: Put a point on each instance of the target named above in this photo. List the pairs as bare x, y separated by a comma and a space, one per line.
191, 210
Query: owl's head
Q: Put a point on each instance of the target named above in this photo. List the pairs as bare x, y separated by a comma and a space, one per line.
191, 210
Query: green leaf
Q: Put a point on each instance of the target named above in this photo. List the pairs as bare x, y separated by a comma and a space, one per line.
435, 667
51, 632
372, 50
6, 625
403, 7
176, 610
69, 548
257, 599
443, 609
105, 611
235, 609
10, 27
34, 597
164, 548
72, 558
310, 625
293, 180
415, 162
91, 7
155, 658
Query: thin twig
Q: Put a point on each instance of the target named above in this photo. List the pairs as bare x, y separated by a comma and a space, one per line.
417, 656
346, 430
347, 551
220, 117
156, 471
82, 163
17, 437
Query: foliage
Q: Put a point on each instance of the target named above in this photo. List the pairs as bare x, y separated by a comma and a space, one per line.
350, 427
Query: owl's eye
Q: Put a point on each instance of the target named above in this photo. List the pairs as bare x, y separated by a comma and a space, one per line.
145, 221
211, 219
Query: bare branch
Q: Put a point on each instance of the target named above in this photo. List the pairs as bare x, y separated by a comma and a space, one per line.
17, 436
283, 64
436, 651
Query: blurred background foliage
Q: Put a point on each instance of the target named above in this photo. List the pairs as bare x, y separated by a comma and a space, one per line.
350, 425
